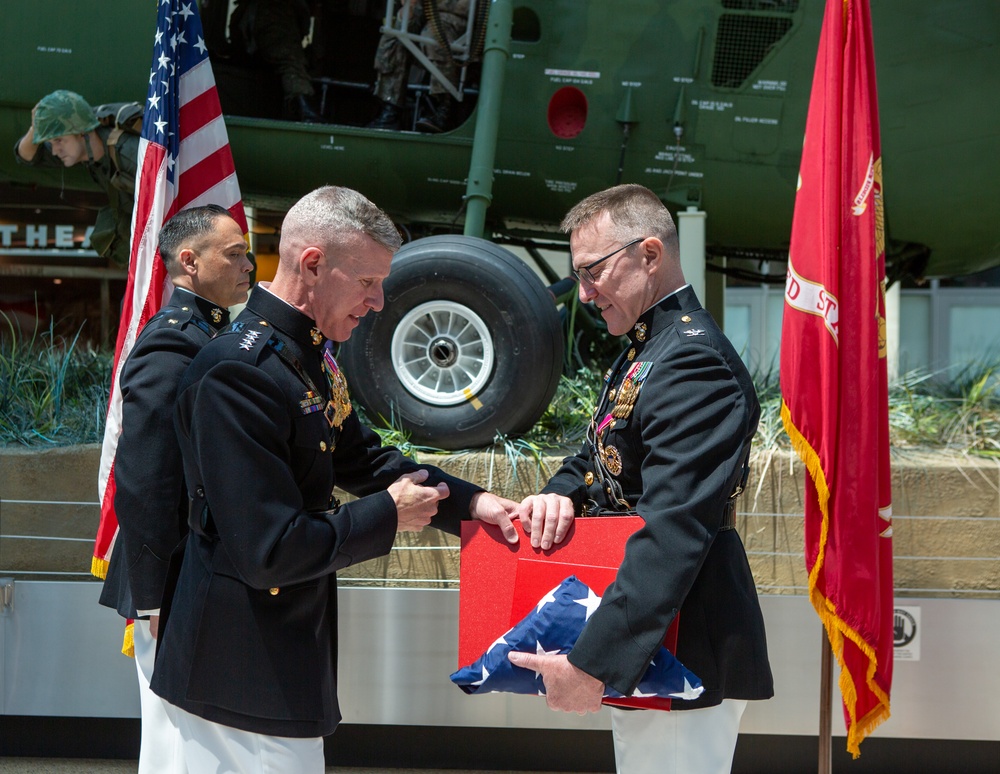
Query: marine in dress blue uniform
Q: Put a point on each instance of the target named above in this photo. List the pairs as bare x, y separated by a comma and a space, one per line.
249, 647
256, 594
150, 497
205, 255
669, 440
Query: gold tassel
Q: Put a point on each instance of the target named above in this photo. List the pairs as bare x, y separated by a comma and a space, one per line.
128, 643
99, 567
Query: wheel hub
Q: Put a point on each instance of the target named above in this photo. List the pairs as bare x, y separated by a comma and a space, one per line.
442, 353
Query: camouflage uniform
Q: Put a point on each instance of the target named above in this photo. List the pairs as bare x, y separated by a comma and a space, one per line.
69, 114
392, 59
274, 29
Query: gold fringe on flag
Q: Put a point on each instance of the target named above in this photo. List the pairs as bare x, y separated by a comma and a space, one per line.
836, 627
128, 642
99, 567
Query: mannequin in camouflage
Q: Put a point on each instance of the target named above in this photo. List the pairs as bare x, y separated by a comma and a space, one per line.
273, 31
392, 63
65, 130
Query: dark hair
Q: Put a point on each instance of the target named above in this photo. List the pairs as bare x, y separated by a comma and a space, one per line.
187, 227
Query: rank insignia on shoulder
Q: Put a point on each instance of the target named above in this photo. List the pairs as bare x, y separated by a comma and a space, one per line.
172, 321
249, 339
691, 332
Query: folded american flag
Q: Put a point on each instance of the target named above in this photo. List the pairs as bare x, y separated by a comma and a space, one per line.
553, 627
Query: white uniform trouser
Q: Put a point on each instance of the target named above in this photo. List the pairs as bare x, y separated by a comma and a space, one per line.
700, 741
161, 750
212, 748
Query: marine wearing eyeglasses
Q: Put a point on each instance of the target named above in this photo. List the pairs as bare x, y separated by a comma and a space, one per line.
670, 441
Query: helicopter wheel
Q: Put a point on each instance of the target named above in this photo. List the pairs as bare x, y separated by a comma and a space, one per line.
469, 345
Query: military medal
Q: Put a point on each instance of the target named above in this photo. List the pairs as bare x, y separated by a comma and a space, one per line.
612, 459
311, 403
628, 393
339, 406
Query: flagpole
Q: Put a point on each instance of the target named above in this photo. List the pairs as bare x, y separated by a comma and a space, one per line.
825, 702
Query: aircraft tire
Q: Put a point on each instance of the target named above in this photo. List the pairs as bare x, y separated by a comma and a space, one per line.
468, 346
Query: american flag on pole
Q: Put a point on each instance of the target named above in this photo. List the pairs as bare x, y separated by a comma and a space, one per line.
554, 626
833, 366
184, 161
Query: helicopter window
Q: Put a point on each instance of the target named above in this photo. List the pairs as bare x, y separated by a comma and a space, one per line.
742, 43
526, 28
567, 112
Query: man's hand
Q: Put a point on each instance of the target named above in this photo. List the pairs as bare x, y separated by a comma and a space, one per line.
154, 626
547, 518
500, 511
567, 688
416, 505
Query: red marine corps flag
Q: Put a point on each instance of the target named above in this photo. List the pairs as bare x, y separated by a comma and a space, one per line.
833, 366
184, 161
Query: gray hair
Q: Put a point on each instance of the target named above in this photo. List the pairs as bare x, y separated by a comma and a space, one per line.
188, 228
332, 215
635, 211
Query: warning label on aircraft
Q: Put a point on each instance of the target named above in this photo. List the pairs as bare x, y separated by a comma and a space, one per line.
561, 186
572, 73
579, 77
711, 104
764, 85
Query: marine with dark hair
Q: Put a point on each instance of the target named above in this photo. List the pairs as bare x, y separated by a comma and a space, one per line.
65, 131
205, 255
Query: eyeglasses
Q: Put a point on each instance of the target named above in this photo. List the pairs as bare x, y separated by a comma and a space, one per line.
584, 273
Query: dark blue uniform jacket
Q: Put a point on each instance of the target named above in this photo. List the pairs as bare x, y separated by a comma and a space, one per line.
675, 457
250, 638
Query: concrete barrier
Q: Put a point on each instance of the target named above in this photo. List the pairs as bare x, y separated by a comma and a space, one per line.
946, 519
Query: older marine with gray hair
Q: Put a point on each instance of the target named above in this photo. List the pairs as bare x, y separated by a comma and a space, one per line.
248, 651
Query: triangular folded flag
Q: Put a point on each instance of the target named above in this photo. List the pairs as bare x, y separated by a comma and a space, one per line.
553, 627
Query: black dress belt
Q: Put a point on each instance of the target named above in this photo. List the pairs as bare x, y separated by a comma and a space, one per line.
729, 516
